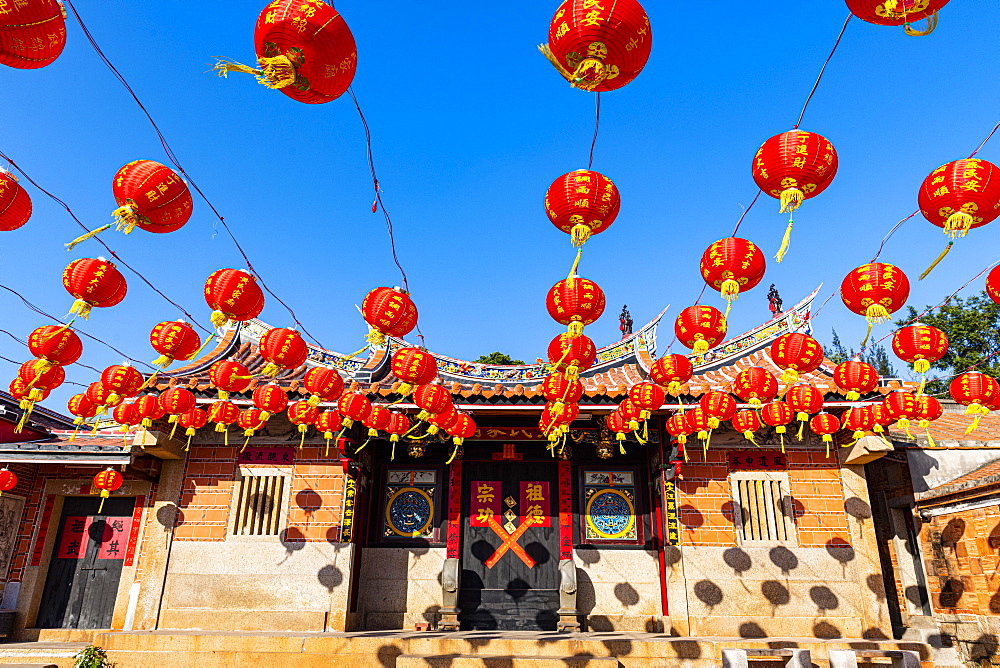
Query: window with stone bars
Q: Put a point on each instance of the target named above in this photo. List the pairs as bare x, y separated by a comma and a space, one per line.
259, 503
762, 508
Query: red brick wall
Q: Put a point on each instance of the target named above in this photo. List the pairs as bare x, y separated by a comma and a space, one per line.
963, 551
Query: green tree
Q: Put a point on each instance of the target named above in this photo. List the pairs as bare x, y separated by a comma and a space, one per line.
837, 352
497, 357
874, 355
973, 328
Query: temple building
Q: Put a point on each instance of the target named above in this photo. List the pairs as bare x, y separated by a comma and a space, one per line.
778, 538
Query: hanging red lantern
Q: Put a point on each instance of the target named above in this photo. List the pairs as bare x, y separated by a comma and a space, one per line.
582, 203
732, 265
700, 328
859, 419
599, 47
777, 414
233, 295
792, 167
324, 384
804, 400
575, 302
122, 380
431, 399
174, 340
270, 399
150, 196
20, 391
413, 366
825, 425
15, 204
32, 33
329, 422
796, 353
464, 427
560, 390
125, 415
82, 408
222, 414
875, 290
101, 397
718, 406
442, 421
377, 420
672, 371
250, 420
902, 407
561, 417
38, 382
283, 349
107, 481
961, 195
648, 397
977, 391
93, 283
354, 407
303, 415
698, 421
304, 49
191, 422
229, 377
631, 413
389, 312
755, 385
679, 428
747, 422
920, 345
571, 354
617, 425
8, 480
993, 284
881, 418
56, 345
898, 13
176, 401
929, 409
855, 378
399, 425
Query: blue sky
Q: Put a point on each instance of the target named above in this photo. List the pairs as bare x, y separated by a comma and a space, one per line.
470, 125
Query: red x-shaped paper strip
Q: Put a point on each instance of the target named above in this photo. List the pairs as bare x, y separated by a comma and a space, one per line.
510, 541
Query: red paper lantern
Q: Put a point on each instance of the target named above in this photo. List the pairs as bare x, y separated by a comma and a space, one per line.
270, 399
718, 406
582, 203
55, 344
881, 418
150, 196
304, 49
961, 195
618, 425
557, 388
571, 354
442, 421
672, 371
855, 378
107, 481
732, 265
223, 414
648, 397
377, 420
825, 425
176, 401
431, 399
700, 328
993, 284
8, 480
804, 400
558, 416
329, 422
796, 353
38, 382
192, 421
630, 412
875, 290
93, 283
464, 427
599, 46
101, 397
250, 420
679, 428
19, 390
302, 414
389, 312
859, 419
124, 414
32, 33
747, 422
898, 13
82, 408
122, 380
229, 377
755, 385
777, 414
977, 391
399, 424
354, 407
233, 295
282, 348
174, 340
15, 204
324, 384
698, 421
413, 366
929, 409
920, 345
902, 407
575, 302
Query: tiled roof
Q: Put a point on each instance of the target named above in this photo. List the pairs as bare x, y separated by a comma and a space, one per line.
950, 428
987, 475
101, 448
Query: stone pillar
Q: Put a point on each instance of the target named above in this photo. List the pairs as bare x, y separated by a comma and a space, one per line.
569, 619
158, 531
871, 591
450, 581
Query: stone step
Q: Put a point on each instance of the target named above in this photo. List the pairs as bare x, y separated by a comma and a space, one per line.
60, 635
496, 661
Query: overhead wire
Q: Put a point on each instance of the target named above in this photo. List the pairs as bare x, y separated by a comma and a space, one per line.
25, 344
822, 71
597, 128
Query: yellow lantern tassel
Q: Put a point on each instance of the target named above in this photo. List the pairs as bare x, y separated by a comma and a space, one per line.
700, 347
364, 445
88, 235
302, 439
781, 435
270, 369
337, 439
575, 328
802, 428
104, 495
633, 424
905, 425
81, 308
853, 396
314, 400
41, 366
576, 263
188, 446
174, 430
750, 437
163, 361
76, 431
790, 376
375, 338
979, 412
705, 444
225, 437
218, 319
674, 388
937, 260
125, 217
791, 199
579, 234
857, 436
958, 224
24, 418
786, 241
454, 452
932, 22
828, 439
621, 442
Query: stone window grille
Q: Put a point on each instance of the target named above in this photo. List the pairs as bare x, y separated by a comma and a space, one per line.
762, 508
259, 504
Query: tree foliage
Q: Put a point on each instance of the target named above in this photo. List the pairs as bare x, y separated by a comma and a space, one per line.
973, 329
497, 357
875, 355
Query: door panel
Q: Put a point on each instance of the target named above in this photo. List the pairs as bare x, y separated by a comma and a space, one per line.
512, 587
82, 583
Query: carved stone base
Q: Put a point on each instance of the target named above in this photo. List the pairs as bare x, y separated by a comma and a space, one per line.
569, 621
448, 621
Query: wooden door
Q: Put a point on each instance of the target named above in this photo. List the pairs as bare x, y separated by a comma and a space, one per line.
86, 564
510, 560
